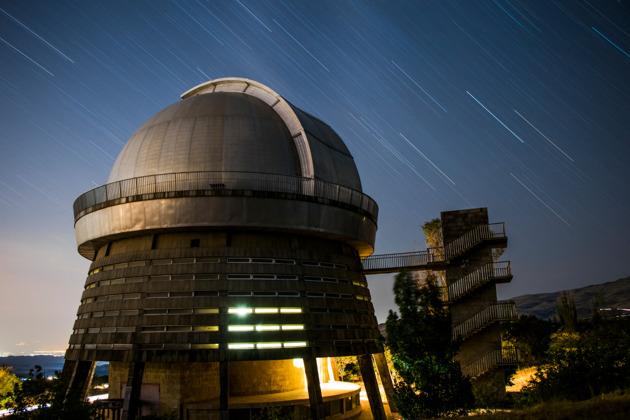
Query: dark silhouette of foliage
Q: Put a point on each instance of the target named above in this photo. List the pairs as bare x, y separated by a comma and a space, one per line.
584, 364
567, 312
34, 399
7, 382
531, 336
431, 383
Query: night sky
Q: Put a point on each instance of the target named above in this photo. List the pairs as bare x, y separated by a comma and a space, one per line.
519, 106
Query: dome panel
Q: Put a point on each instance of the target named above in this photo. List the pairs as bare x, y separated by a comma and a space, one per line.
210, 132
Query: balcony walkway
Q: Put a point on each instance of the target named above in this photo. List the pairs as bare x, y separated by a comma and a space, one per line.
435, 258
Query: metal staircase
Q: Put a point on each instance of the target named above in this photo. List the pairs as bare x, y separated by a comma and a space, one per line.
504, 356
494, 272
435, 258
483, 318
498, 272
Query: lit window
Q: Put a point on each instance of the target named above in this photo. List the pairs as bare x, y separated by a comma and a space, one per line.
266, 310
207, 310
290, 310
292, 327
295, 344
240, 311
268, 345
267, 327
206, 328
204, 346
240, 328
240, 346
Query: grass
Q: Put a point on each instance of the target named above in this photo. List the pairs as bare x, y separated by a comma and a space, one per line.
608, 407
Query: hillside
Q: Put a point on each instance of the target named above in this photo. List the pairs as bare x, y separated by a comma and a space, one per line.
22, 364
614, 294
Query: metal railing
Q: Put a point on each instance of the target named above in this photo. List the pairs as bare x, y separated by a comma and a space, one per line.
221, 183
479, 277
386, 263
497, 312
473, 237
419, 260
504, 356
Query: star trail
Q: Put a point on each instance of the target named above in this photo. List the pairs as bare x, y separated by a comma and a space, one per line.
522, 107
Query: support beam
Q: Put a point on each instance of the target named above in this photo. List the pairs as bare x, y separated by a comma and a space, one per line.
371, 386
80, 378
314, 390
131, 404
386, 379
224, 389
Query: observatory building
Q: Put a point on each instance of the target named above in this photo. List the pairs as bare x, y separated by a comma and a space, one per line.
226, 267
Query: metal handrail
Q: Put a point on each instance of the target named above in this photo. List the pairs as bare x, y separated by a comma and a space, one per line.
419, 260
477, 278
497, 312
473, 237
507, 355
409, 260
221, 183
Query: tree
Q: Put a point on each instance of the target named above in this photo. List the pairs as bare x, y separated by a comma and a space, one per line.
531, 336
433, 233
567, 312
422, 350
39, 392
434, 240
581, 365
7, 382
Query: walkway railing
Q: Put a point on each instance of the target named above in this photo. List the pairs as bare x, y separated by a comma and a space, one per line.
504, 356
388, 263
420, 260
492, 313
474, 237
479, 277
221, 183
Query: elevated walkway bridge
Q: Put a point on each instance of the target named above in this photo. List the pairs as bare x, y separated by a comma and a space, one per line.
436, 258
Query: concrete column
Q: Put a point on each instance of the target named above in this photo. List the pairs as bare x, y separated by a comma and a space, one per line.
386, 379
371, 386
131, 405
66, 375
224, 389
314, 390
80, 378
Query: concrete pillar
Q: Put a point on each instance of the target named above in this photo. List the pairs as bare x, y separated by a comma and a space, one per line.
80, 378
386, 379
371, 386
314, 390
224, 389
131, 405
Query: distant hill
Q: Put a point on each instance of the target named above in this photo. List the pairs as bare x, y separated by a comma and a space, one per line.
23, 364
614, 294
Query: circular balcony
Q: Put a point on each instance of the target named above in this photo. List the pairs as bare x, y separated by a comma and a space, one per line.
216, 200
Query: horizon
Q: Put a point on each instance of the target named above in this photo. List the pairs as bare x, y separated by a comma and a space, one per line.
521, 108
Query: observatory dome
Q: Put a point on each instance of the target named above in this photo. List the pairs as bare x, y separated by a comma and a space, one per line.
236, 125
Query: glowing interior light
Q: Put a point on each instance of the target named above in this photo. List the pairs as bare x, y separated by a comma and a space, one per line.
266, 310
240, 311
298, 363
267, 327
291, 310
293, 327
206, 328
238, 346
240, 328
268, 345
295, 344
204, 346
